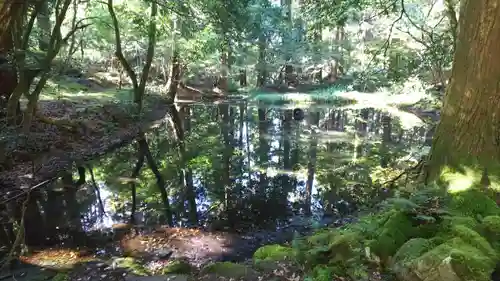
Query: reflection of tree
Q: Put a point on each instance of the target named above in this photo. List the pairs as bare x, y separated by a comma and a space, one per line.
202, 158
311, 163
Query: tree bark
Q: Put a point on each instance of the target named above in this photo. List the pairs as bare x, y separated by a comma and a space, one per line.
469, 130
11, 13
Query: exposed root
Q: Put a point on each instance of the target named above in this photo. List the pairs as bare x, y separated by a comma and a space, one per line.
61, 123
416, 167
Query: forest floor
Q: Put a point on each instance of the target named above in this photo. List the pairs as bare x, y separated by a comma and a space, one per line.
101, 121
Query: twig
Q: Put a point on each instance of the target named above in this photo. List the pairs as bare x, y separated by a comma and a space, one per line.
28, 190
404, 173
19, 236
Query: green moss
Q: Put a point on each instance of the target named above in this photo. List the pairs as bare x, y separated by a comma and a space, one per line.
474, 239
229, 270
410, 250
394, 233
342, 247
490, 227
274, 253
469, 222
132, 265
323, 237
473, 203
177, 267
453, 260
326, 273
60, 277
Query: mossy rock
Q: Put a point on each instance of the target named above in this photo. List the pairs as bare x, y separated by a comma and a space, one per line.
474, 239
490, 227
132, 265
473, 203
342, 247
469, 222
455, 260
274, 253
323, 237
177, 267
394, 233
230, 270
325, 273
60, 277
410, 250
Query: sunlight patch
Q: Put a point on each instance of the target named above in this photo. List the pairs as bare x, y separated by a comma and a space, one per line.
460, 181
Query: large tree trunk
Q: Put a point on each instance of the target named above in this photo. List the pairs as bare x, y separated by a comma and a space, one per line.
469, 131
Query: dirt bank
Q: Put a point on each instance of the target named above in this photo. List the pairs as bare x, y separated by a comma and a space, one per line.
48, 149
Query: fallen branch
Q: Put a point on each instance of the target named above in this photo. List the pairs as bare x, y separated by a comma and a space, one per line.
406, 171
19, 236
70, 125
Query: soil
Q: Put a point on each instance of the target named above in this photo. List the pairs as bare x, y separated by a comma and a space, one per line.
48, 149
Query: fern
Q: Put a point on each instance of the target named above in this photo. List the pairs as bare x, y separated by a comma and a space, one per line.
402, 204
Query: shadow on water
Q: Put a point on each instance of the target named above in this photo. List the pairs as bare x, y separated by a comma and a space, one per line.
237, 176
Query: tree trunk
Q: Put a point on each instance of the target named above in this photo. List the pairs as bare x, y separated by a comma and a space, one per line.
468, 133
223, 82
175, 75
11, 12
175, 69
43, 22
261, 64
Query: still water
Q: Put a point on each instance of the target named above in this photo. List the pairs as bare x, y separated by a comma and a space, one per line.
242, 167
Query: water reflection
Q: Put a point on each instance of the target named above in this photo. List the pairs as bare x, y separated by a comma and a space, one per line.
237, 167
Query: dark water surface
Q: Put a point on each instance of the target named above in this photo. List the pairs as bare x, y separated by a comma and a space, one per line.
241, 168
244, 167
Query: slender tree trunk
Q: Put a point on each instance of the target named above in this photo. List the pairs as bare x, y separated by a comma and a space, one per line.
43, 22
175, 70
468, 133
160, 181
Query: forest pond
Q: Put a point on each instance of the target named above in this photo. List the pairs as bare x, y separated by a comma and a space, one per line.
246, 170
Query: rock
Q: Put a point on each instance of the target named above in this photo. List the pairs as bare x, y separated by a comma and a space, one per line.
274, 253
458, 253
230, 270
322, 237
163, 254
179, 266
167, 277
473, 203
470, 222
454, 260
411, 250
396, 230
130, 264
490, 227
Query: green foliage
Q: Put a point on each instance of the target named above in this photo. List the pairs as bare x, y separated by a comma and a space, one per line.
473, 202
177, 267
228, 269
131, 264
61, 277
274, 253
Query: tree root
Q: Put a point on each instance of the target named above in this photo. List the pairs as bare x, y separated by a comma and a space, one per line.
405, 172
66, 124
